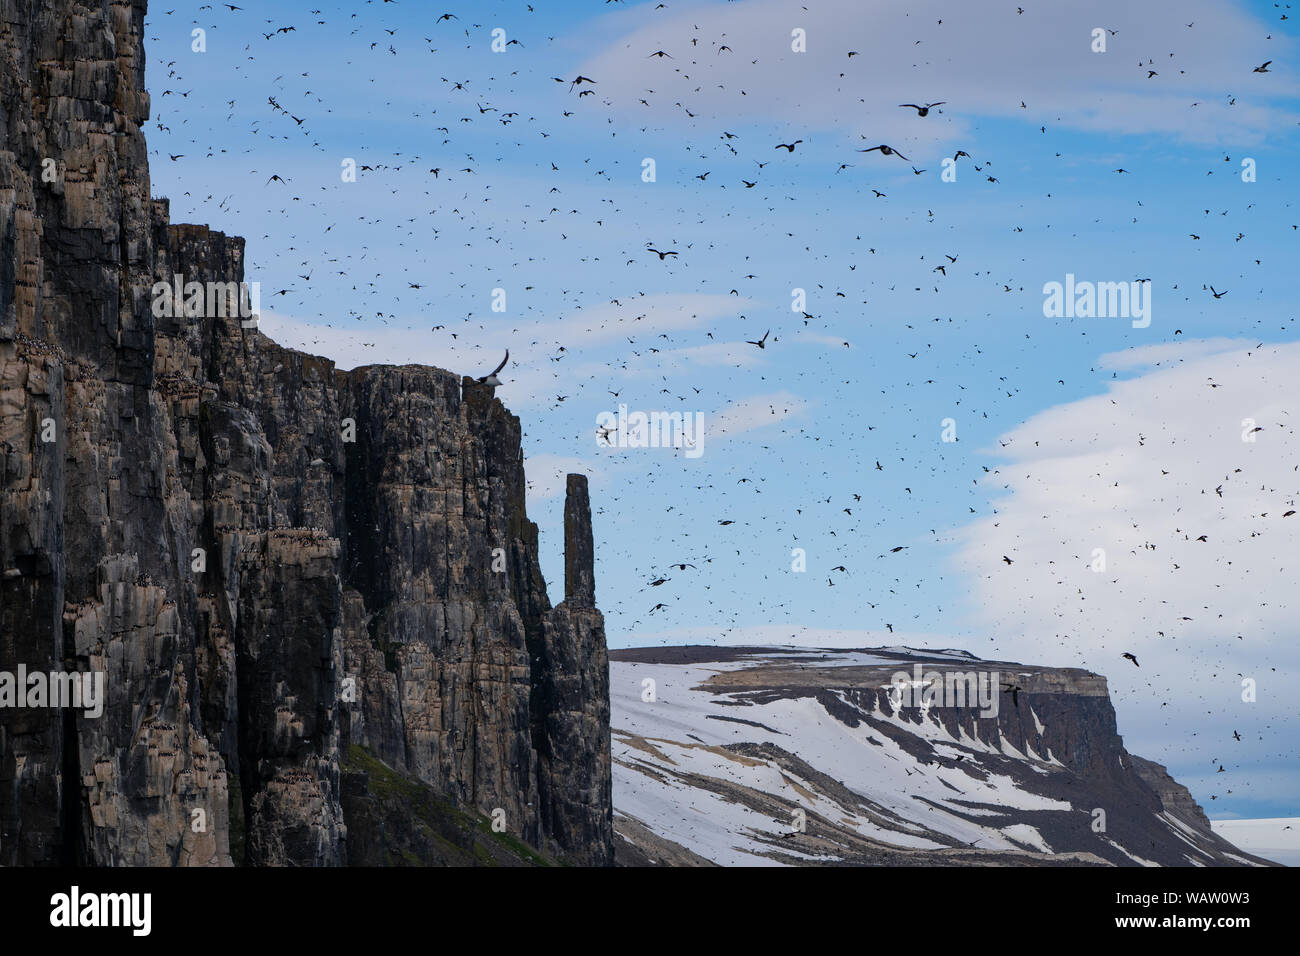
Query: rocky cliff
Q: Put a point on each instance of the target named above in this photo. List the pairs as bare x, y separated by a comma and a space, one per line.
882, 756
314, 595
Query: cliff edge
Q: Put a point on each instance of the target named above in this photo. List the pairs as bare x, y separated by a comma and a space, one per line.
308, 590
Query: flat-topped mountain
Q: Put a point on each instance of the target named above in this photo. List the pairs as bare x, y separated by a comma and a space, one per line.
884, 756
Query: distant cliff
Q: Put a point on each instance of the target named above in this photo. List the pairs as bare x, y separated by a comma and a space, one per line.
315, 595
882, 756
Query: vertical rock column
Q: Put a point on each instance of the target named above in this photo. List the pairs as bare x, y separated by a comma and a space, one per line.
579, 555
572, 696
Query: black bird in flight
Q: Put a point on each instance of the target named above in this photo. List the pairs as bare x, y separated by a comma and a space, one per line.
923, 110
788, 146
670, 252
492, 379
1262, 68
885, 151
760, 342
1130, 657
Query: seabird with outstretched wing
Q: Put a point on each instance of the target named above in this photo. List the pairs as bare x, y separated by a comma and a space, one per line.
492, 379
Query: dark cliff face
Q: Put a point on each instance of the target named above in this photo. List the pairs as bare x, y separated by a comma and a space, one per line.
301, 584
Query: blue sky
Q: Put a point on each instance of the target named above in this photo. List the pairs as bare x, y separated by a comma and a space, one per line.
556, 213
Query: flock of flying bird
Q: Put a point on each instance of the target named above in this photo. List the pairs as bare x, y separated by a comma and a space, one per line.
486, 120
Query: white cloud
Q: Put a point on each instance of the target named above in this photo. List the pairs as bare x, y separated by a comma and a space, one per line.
1148, 356
757, 411
1042, 58
547, 474
642, 317
792, 634
1142, 472
351, 348
737, 354
532, 376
